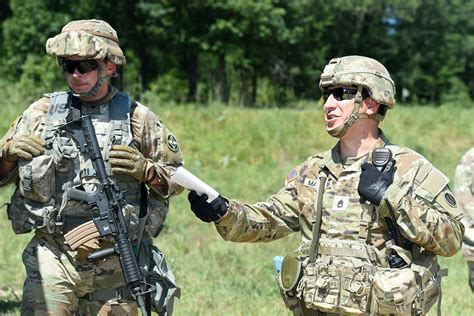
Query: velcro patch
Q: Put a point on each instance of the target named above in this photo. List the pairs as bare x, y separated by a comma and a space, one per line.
340, 202
312, 183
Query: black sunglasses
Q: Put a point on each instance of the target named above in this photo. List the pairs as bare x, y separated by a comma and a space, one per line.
82, 66
342, 93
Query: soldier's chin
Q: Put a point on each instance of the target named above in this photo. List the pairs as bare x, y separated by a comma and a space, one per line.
335, 131
81, 93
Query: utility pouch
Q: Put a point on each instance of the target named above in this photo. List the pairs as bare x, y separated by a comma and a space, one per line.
290, 272
394, 291
18, 215
356, 285
321, 286
288, 278
26, 215
37, 181
428, 281
337, 285
158, 274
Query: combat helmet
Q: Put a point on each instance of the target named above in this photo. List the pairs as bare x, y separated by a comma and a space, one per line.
91, 39
88, 39
361, 72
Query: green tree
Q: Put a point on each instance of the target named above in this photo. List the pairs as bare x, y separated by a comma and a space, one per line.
433, 48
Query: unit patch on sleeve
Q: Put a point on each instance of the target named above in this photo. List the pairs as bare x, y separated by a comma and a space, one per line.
450, 199
172, 143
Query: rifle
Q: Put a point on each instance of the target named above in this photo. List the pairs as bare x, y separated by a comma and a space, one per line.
105, 205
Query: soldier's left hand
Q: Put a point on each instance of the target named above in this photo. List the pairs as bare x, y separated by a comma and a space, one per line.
129, 161
373, 183
205, 211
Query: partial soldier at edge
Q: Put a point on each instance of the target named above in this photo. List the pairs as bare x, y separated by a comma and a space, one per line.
44, 162
464, 190
372, 216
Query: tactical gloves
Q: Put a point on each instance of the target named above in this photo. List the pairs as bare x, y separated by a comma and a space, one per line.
24, 147
373, 183
129, 161
207, 212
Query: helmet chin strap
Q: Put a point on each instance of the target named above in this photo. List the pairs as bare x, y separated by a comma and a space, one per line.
92, 92
341, 130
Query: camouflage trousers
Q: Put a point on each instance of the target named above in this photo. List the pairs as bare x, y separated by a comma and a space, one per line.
56, 283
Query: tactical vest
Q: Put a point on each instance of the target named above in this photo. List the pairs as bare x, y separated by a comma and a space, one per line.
40, 200
349, 274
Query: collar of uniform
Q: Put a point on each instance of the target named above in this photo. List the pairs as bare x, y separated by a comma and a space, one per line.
381, 143
352, 164
94, 107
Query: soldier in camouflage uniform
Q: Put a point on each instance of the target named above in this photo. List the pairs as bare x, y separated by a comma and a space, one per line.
44, 161
464, 190
369, 236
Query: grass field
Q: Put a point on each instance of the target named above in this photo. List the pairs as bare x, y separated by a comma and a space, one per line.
246, 154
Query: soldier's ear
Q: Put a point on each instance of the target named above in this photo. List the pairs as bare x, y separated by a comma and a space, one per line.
110, 67
372, 106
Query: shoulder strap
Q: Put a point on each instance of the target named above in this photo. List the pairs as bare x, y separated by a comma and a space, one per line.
119, 113
120, 107
313, 251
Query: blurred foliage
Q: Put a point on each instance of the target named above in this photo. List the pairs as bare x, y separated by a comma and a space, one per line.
255, 53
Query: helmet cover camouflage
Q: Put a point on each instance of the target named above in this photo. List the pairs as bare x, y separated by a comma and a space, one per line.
360, 71
91, 39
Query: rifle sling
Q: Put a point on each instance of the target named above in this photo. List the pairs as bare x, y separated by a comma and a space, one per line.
313, 252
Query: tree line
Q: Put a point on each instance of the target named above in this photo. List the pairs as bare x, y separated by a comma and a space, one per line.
254, 52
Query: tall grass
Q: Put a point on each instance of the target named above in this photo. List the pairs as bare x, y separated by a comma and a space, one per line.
246, 154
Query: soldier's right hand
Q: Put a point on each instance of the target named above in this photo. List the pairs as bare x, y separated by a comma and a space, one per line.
24, 147
205, 211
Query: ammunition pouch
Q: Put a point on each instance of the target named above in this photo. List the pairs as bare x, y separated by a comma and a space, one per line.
32, 204
37, 178
338, 283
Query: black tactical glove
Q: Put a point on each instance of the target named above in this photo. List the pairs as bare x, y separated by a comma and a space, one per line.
373, 183
207, 212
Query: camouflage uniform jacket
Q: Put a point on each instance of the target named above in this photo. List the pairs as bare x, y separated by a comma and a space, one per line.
464, 190
425, 209
149, 135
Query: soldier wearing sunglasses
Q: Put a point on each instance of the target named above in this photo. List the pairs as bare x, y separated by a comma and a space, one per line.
44, 162
372, 216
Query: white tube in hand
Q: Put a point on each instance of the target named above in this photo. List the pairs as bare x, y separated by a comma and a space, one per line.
186, 179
